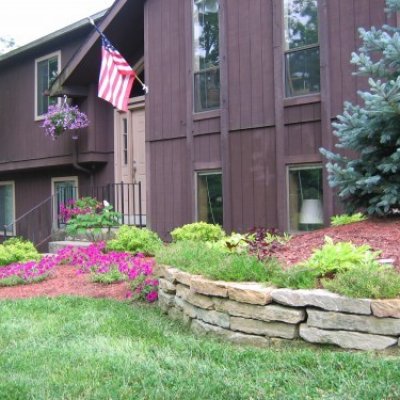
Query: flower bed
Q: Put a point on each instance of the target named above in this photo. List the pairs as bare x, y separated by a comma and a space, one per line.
251, 313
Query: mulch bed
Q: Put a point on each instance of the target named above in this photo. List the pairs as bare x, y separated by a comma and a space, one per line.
64, 280
379, 234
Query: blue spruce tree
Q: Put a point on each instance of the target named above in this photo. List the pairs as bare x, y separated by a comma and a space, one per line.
371, 181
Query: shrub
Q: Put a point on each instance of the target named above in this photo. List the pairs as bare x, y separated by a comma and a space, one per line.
339, 257
373, 282
214, 263
198, 232
345, 219
16, 250
88, 216
135, 240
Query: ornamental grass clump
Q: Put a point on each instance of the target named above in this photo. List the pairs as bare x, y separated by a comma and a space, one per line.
215, 263
344, 219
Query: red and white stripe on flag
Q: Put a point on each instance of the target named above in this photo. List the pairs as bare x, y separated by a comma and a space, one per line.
116, 77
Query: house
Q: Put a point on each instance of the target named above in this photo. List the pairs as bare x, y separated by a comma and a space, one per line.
242, 96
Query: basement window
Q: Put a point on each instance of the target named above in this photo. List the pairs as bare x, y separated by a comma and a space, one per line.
209, 197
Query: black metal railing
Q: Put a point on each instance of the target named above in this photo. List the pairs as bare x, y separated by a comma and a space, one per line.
42, 222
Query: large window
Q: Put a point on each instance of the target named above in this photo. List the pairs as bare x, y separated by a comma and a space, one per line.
46, 70
305, 198
206, 55
209, 197
302, 66
7, 211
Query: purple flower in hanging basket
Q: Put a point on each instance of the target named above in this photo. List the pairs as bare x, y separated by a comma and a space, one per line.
62, 118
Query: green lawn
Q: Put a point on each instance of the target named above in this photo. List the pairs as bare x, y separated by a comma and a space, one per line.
73, 348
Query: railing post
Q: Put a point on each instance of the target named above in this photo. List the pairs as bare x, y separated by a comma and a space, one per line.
122, 201
140, 204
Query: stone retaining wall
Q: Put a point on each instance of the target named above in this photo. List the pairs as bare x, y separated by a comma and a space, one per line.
250, 313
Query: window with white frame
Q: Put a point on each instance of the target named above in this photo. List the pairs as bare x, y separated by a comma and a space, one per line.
305, 203
206, 55
7, 208
64, 190
302, 64
209, 197
46, 70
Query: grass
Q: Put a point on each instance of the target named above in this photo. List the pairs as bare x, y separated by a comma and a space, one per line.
74, 348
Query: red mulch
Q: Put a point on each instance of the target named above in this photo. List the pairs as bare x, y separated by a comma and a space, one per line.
65, 281
379, 234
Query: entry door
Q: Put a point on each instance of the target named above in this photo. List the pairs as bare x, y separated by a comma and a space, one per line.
130, 157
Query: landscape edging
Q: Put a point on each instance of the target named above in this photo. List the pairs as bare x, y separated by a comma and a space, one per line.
250, 313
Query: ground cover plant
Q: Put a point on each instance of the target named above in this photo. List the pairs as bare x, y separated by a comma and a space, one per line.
344, 219
110, 267
97, 349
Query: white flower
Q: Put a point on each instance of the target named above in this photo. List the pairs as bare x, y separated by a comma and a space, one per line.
106, 203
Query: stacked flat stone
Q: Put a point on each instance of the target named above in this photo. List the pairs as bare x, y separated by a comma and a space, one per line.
250, 313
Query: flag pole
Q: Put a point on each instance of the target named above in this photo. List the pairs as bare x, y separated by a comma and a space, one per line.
144, 87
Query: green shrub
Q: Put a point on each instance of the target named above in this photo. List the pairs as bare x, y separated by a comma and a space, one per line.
369, 282
198, 232
345, 219
214, 263
135, 240
112, 276
17, 249
339, 257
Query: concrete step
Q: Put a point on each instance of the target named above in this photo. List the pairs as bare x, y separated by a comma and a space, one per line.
54, 247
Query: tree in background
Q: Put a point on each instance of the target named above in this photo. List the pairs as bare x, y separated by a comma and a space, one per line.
6, 44
371, 180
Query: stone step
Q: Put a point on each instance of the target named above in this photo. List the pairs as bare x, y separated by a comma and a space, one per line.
54, 247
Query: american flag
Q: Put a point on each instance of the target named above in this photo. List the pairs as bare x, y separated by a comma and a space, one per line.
116, 77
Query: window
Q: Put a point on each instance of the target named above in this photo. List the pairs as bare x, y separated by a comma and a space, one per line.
302, 66
206, 55
125, 140
7, 208
305, 198
209, 197
63, 190
46, 70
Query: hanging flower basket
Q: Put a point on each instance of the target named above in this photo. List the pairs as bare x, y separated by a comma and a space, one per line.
60, 119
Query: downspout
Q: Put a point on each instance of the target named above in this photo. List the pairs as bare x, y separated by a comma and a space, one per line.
79, 167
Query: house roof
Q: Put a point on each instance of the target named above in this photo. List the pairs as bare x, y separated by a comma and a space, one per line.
20, 51
123, 25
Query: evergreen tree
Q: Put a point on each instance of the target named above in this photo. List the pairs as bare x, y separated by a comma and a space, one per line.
371, 181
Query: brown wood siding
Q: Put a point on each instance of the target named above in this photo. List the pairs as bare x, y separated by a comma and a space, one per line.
257, 133
303, 138
207, 151
345, 18
168, 204
26, 145
253, 179
166, 69
250, 66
